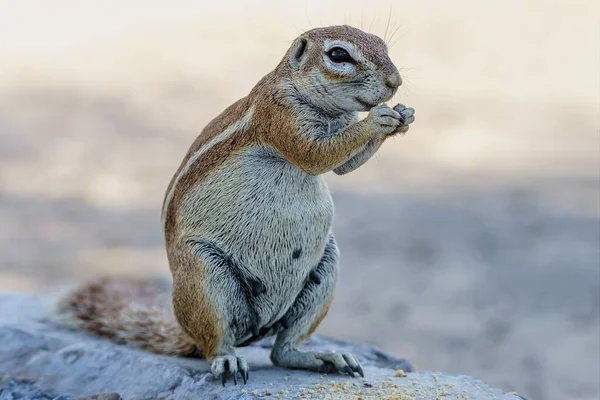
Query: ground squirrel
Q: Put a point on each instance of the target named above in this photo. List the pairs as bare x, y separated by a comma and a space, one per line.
248, 217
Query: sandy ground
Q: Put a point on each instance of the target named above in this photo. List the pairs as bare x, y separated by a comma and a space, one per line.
472, 245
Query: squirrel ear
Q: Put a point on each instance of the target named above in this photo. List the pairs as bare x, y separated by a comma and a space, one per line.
298, 52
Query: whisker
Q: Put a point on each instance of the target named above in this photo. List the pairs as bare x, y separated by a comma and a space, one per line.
407, 76
362, 14
307, 18
395, 31
409, 86
371, 25
396, 41
387, 26
399, 38
403, 70
348, 17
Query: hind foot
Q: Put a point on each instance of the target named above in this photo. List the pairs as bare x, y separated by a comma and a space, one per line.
343, 362
232, 365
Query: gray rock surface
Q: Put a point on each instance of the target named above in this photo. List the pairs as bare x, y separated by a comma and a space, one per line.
41, 361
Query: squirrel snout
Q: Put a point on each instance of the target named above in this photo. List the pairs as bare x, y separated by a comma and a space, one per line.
393, 80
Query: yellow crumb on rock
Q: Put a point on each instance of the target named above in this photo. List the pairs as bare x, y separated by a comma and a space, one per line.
379, 389
400, 373
361, 390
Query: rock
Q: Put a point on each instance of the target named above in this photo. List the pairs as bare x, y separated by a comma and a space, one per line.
12, 389
39, 360
102, 396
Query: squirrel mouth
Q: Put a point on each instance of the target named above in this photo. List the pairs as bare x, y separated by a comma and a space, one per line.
365, 104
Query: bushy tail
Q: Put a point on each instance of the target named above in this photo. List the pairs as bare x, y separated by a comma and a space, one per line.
126, 311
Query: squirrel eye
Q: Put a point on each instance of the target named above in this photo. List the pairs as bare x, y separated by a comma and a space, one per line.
338, 55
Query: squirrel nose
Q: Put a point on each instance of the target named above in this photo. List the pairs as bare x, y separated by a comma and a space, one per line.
393, 80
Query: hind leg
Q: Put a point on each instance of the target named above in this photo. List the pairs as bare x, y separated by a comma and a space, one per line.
212, 301
304, 317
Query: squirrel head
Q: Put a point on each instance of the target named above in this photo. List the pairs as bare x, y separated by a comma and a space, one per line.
341, 69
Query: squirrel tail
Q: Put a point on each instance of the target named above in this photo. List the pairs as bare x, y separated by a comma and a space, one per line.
125, 311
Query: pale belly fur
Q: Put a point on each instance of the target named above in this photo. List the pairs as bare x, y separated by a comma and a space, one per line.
272, 218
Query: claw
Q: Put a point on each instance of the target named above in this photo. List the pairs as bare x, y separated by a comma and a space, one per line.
348, 370
229, 364
360, 371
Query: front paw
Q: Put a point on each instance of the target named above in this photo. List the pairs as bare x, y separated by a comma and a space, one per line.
407, 117
384, 120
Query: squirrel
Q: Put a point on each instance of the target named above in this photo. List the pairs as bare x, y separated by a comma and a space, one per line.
247, 217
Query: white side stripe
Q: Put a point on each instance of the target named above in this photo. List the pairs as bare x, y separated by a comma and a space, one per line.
238, 126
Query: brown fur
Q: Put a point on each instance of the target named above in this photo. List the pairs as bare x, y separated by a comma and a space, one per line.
193, 309
371, 46
126, 311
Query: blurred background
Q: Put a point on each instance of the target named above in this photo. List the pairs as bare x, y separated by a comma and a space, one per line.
471, 245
